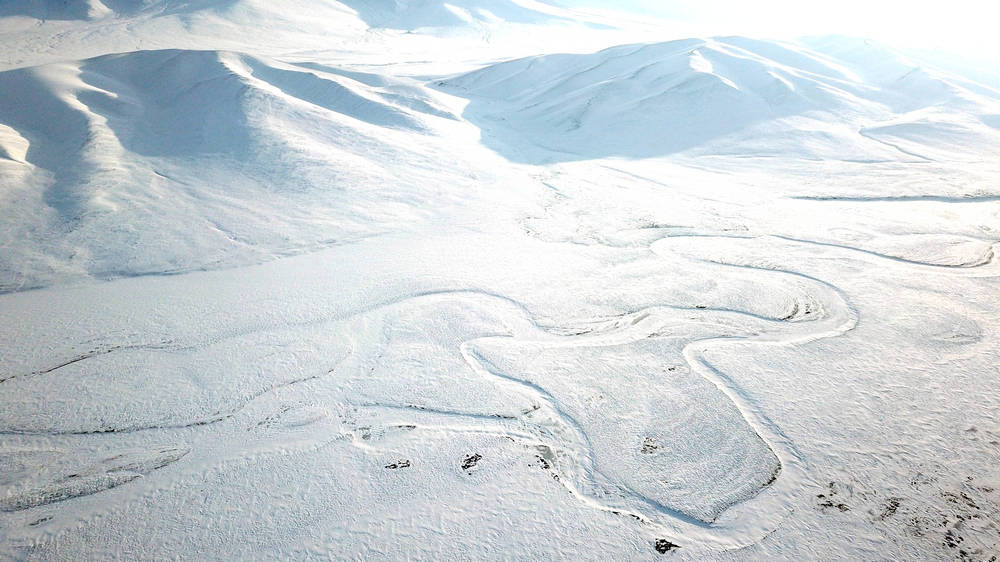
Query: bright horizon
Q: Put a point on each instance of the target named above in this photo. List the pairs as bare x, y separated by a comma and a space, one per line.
963, 27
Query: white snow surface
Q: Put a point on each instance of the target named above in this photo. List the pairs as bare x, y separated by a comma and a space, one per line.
489, 279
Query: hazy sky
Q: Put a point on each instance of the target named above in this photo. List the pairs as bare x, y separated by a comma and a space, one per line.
966, 26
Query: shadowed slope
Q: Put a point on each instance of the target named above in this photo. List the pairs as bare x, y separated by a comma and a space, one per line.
162, 161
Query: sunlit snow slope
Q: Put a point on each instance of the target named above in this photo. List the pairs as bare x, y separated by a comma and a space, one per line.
162, 161
734, 96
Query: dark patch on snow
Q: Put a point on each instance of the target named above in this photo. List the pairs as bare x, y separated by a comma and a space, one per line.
470, 462
830, 500
664, 546
890, 508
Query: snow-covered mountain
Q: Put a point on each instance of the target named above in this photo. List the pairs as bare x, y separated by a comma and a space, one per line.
731, 95
56, 9
112, 141
158, 161
415, 14
402, 14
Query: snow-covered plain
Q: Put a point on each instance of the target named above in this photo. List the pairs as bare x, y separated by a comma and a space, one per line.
489, 279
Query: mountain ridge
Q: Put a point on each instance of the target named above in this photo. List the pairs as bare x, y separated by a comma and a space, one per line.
698, 93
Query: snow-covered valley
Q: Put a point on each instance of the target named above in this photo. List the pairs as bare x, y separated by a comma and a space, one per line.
489, 279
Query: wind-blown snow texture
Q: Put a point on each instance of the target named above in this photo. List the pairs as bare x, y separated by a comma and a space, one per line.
319, 279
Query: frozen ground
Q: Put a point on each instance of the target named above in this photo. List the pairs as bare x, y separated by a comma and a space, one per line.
357, 280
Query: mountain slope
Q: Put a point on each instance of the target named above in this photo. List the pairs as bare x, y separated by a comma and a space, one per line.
725, 96
55, 9
164, 161
417, 14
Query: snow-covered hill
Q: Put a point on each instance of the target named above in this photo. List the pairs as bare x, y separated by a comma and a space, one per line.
731, 95
164, 161
100, 152
415, 14
56, 9
378, 13
458, 34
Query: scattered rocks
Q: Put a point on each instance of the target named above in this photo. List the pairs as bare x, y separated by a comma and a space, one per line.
891, 505
664, 546
543, 463
952, 539
829, 499
470, 462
